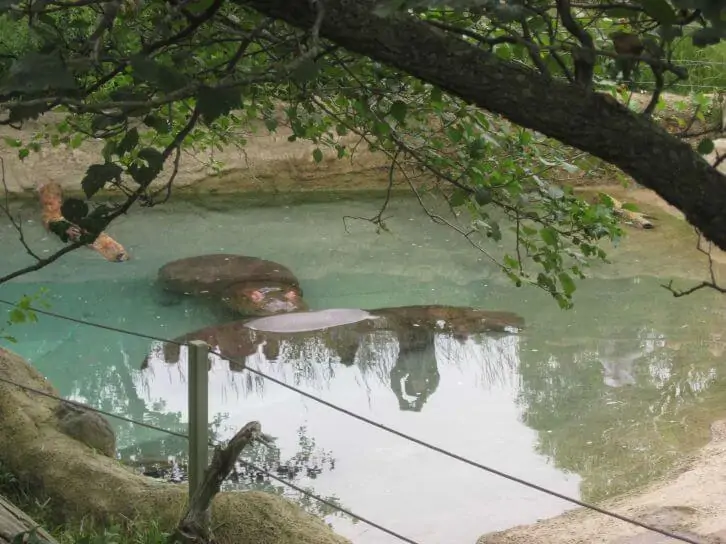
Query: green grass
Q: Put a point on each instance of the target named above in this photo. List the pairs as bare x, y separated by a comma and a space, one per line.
706, 69
38, 508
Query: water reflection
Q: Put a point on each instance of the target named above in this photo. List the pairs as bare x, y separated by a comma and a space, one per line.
590, 401
398, 342
620, 412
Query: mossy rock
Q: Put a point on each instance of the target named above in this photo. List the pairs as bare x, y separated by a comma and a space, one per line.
83, 484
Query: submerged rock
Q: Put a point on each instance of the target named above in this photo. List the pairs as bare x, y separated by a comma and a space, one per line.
248, 285
83, 485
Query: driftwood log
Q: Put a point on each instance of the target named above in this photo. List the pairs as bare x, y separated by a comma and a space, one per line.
195, 526
14, 522
636, 219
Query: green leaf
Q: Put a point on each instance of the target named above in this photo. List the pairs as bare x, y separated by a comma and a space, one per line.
102, 122
495, 232
630, 206
568, 285
17, 316
37, 72
549, 236
706, 146
198, 6
97, 175
483, 196
317, 155
458, 198
398, 111
128, 143
306, 71
156, 74
13, 142
511, 262
436, 95
144, 175
660, 10
23, 153
214, 103
159, 124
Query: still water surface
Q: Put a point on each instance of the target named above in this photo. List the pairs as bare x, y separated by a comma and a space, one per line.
588, 402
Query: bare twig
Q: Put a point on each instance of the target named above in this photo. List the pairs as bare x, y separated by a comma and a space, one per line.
711, 283
378, 220
194, 528
584, 57
121, 210
16, 223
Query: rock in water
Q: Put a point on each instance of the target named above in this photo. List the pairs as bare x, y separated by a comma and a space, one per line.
248, 285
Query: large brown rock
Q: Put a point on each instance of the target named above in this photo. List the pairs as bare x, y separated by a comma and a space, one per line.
83, 484
248, 285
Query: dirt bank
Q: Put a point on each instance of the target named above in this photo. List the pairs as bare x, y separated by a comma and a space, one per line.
690, 503
266, 163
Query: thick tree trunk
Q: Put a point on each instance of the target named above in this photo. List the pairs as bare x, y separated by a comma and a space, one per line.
14, 521
589, 121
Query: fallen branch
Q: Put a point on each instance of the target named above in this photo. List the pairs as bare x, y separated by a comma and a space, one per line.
17, 526
194, 528
637, 219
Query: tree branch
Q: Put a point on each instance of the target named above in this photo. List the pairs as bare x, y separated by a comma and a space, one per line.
592, 122
584, 58
711, 283
137, 194
194, 526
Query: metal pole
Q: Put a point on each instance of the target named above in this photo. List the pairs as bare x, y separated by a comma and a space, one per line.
198, 413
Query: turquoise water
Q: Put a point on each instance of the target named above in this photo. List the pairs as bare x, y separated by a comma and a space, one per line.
587, 402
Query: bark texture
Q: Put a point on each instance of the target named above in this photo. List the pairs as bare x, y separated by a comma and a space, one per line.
590, 121
14, 522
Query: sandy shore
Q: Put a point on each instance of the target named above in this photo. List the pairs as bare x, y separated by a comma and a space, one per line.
690, 502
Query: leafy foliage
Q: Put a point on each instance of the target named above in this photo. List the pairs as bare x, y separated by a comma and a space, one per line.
23, 312
152, 78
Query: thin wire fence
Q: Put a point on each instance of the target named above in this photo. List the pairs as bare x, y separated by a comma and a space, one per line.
371, 422
215, 444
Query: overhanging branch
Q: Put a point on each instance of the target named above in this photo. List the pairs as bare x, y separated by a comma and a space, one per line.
590, 121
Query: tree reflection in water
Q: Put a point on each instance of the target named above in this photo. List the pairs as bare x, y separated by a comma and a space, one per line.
399, 345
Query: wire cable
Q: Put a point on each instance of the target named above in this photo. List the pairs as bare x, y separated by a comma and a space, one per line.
329, 503
466, 460
91, 408
213, 444
400, 434
89, 323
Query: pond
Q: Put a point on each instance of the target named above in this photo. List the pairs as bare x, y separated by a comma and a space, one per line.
589, 402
